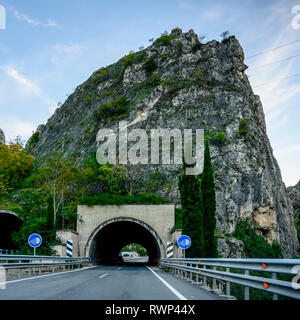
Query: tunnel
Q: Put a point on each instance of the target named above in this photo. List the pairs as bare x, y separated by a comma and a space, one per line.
9, 222
111, 238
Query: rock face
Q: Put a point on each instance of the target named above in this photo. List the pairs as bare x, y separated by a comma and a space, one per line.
230, 247
2, 136
178, 82
294, 194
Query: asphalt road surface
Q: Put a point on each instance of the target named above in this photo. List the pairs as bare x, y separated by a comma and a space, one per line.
127, 282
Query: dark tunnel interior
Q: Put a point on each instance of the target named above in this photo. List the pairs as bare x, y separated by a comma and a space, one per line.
8, 224
109, 241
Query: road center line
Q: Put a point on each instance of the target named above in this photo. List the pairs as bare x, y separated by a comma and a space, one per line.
104, 275
177, 294
48, 275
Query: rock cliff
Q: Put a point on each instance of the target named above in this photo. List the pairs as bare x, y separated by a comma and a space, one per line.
2, 136
178, 82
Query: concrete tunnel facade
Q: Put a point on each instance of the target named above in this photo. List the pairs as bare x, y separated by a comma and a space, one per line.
104, 230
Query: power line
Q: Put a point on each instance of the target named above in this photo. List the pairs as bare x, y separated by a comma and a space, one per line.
277, 61
276, 48
283, 78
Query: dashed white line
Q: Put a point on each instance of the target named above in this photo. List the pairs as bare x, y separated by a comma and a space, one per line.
104, 275
177, 294
120, 268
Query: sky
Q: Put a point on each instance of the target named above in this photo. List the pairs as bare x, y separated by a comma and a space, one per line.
49, 47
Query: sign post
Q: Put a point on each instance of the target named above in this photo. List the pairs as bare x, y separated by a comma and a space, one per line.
184, 242
34, 240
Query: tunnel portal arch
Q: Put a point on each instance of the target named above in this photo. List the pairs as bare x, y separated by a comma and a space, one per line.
114, 226
111, 236
9, 222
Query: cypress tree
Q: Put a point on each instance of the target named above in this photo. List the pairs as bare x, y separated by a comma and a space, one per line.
209, 205
192, 213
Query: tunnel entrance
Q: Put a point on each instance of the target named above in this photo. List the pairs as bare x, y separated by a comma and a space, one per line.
109, 239
9, 222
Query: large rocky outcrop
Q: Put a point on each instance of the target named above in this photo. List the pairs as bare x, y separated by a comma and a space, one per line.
177, 82
294, 194
2, 136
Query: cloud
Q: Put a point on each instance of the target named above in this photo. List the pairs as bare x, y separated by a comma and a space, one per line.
288, 158
34, 22
27, 86
13, 127
63, 52
272, 83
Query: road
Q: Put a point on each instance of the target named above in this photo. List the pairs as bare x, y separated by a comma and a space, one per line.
127, 282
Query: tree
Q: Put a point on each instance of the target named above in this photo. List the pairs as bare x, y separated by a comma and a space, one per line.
15, 165
36, 214
58, 177
192, 213
209, 205
224, 35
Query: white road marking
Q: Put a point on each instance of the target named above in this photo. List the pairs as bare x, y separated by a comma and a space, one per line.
104, 275
48, 275
120, 268
177, 294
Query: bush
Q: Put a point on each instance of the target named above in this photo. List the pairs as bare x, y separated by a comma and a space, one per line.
115, 109
153, 80
243, 128
34, 139
128, 60
164, 39
116, 199
150, 65
220, 137
256, 246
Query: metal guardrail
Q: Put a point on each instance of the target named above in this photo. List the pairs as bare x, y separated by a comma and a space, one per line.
8, 251
37, 263
200, 270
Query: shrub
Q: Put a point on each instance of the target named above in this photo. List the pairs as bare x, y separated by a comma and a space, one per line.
34, 139
128, 60
153, 80
117, 199
114, 109
220, 137
243, 128
256, 246
150, 65
164, 39
178, 219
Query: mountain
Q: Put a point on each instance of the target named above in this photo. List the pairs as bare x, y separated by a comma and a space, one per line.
178, 82
2, 136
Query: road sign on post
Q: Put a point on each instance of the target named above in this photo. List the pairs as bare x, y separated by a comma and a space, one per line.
184, 242
34, 240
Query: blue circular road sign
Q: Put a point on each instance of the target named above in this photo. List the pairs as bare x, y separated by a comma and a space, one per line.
184, 242
35, 240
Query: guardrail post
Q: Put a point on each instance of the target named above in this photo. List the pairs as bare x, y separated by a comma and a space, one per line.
40, 270
20, 273
214, 281
246, 290
227, 285
53, 268
29, 272
204, 278
274, 276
